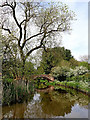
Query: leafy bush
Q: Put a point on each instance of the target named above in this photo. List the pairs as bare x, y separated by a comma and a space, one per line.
85, 64
65, 73
80, 70
60, 73
78, 78
70, 73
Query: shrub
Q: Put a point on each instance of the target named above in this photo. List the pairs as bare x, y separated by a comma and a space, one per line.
80, 70
70, 73
9, 93
60, 73
85, 64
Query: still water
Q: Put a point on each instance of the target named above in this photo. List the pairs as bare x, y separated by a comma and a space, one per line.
50, 103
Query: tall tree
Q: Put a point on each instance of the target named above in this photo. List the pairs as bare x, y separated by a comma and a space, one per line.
34, 25
54, 57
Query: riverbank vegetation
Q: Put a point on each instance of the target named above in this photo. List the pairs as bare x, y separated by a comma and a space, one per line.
66, 71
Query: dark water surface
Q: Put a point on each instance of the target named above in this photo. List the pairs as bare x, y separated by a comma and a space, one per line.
57, 103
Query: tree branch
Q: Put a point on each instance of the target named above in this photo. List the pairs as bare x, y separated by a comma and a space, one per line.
6, 4
14, 16
35, 35
37, 47
26, 20
6, 29
44, 48
40, 31
31, 38
22, 21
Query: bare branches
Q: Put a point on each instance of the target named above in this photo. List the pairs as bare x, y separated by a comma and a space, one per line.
6, 4
44, 48
13, 6
37, 47
22, 22
48, 21
36, 35
6, 29
9, 31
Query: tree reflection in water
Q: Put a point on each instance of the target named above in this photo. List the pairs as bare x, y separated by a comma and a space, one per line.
47, 104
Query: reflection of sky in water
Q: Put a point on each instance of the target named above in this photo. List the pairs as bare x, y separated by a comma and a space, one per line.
36, 96
34, 110
50, 105
77, 112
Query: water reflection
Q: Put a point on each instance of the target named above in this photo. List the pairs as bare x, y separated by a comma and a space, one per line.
48, 104
14, 111
58, 104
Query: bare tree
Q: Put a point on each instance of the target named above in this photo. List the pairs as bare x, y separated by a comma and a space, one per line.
34, 25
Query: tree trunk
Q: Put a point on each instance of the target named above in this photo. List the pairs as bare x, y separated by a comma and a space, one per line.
23, 69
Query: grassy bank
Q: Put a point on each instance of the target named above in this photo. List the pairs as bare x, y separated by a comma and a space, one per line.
81, 86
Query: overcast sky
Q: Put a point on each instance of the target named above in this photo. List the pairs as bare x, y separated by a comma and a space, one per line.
77, 41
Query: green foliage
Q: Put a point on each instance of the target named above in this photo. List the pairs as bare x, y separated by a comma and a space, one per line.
85, 64
57, 56
43, 83
13, 92
78, 78
47, 61
31, 86
21, 93
9, 93
73, 63
80, 70
77, 85
64, 63
13, 68
60, 73
12, 65
8, 80
40, 70
68, 55
29, 69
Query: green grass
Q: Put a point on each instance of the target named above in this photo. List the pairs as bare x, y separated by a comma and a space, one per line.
79, 85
